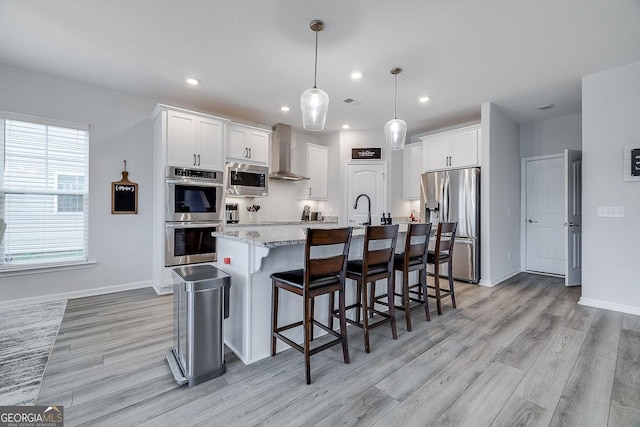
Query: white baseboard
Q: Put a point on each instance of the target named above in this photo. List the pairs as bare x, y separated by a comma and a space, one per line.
74, 294
491, 283
622, 308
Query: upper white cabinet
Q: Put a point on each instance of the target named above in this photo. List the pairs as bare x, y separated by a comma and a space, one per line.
313, 162
247, 144
453, 149
194, 140
411, 170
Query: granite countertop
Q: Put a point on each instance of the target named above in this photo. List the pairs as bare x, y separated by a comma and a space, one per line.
283, 237
271, 223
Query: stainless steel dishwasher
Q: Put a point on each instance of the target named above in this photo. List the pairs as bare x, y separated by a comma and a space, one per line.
200, 303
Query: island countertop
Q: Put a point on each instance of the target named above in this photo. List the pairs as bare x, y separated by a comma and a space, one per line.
272, 238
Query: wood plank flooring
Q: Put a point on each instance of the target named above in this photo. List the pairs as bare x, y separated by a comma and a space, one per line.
522, 353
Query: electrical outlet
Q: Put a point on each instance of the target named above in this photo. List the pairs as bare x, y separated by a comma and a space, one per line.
611, 211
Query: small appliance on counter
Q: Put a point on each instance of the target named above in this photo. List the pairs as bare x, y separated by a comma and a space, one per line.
306, 213
232, 214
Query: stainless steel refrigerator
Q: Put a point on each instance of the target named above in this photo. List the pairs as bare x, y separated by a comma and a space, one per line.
454, 196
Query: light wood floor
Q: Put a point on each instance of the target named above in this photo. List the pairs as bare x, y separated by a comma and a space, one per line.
522, 353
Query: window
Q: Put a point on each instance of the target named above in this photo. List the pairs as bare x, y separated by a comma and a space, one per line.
44, 192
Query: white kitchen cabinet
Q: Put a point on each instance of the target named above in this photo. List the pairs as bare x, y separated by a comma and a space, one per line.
451, 150
247, 144
411, 170
194, 140
313, 162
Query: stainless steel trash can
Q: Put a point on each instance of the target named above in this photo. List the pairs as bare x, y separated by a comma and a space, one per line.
200, 302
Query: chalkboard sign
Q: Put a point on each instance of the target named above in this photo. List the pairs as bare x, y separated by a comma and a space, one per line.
124, 196
635, 162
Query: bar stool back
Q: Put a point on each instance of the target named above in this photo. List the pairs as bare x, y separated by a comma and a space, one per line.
322, 274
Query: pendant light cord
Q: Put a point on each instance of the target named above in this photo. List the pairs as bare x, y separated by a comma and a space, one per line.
395, 96
315, 71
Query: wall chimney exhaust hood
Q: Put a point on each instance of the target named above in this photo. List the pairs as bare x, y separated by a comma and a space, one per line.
281, 154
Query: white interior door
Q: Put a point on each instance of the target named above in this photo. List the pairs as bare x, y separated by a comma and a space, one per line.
545, 215
573, 217
366, 178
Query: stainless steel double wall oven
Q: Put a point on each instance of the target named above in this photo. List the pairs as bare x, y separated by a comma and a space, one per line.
194, 210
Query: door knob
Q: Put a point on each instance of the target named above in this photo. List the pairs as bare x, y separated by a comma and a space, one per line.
571, 224
532, 221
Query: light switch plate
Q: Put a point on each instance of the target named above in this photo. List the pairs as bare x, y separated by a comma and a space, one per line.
611, 211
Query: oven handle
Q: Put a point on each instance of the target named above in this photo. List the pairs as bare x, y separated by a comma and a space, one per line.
197, 183
173, 225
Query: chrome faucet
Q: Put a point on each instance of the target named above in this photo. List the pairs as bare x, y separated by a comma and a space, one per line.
355, 206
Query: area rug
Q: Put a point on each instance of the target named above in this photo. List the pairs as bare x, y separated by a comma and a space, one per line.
27, 335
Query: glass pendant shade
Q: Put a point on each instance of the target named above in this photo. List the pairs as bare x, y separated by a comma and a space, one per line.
395, 133
314, 104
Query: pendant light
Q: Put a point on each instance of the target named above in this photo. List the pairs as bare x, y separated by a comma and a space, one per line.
314, 102
395, 131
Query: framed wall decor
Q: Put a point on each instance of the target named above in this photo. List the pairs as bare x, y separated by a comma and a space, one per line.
631, 163
124, 195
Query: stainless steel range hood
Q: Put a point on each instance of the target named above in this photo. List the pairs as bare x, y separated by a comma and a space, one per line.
281, 154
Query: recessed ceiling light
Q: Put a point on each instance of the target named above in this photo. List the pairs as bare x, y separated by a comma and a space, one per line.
356, 75
345, 126
284, 108
193, 81
423, 99
545, 107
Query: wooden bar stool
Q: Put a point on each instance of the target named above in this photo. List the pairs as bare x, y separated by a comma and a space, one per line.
376, 264
322, 274
414, 258
443, 253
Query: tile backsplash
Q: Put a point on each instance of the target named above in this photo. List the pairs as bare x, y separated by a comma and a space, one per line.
282, 204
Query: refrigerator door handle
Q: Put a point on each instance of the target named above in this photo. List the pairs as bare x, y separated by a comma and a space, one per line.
445, 198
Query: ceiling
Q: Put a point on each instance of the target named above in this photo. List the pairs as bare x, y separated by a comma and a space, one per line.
254, 56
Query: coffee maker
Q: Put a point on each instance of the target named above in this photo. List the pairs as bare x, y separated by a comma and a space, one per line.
232, 213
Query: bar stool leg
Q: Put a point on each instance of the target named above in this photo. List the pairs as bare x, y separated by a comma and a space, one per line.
274, 318
405, 298
358, 299
331, 304
312, 306
365, 318
343, 324
423, 287
307, 338
392, 307
436, 277
453, 296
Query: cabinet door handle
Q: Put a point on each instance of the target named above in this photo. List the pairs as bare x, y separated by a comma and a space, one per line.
194, 160
246, 153
249, 152
198, 159
309, 191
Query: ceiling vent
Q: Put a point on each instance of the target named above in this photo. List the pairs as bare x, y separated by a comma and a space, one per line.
351, 101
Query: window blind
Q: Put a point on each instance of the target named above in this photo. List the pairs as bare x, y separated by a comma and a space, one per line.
44, 197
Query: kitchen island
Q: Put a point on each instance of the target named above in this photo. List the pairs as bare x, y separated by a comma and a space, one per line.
250, 257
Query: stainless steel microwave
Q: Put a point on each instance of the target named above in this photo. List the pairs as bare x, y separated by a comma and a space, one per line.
247, 180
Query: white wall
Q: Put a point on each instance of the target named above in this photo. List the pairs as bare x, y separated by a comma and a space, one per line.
120, 130
551, 136
610, 120
500, 197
